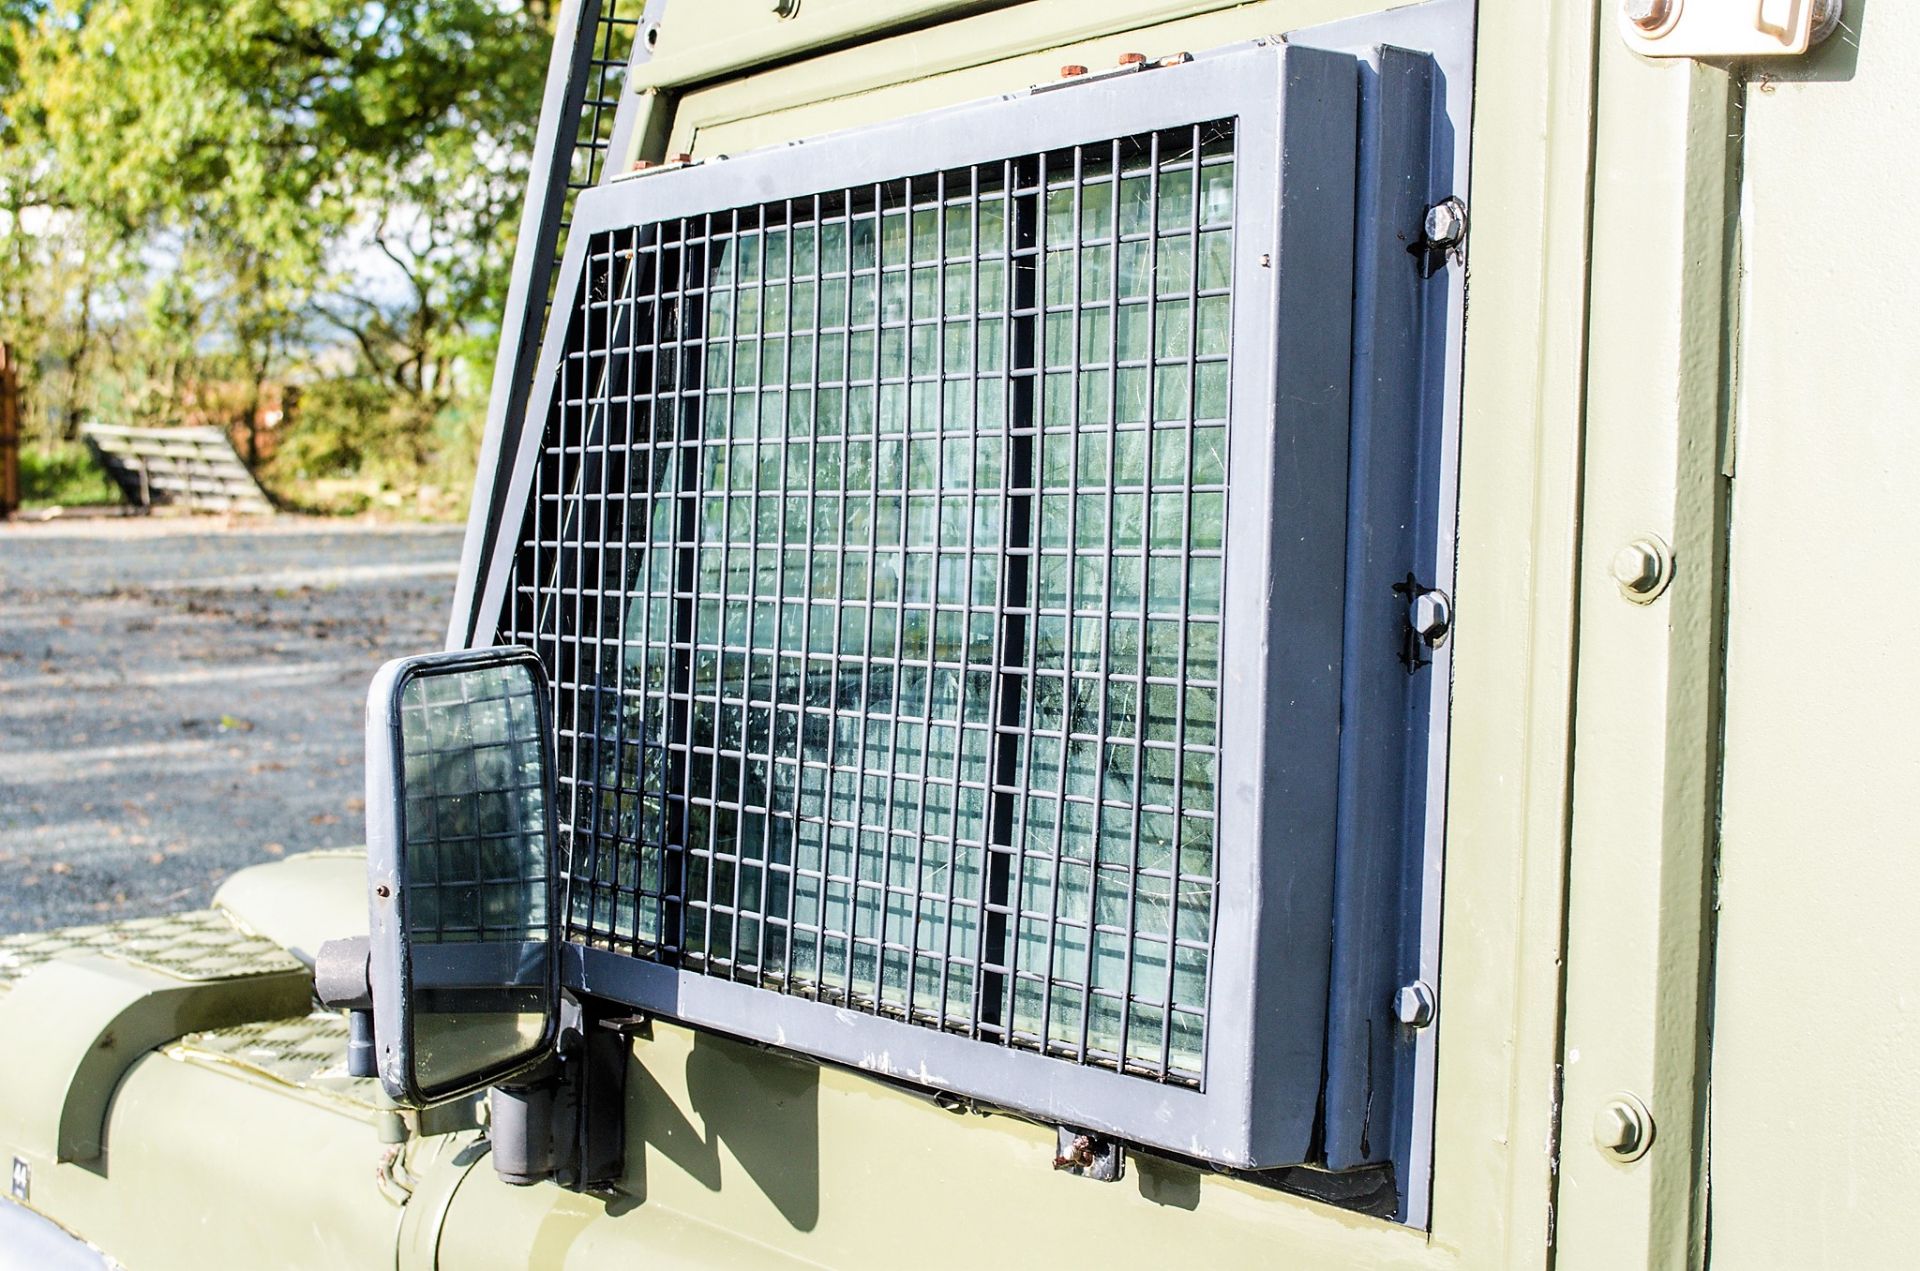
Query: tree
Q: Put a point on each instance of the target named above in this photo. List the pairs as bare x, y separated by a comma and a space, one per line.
287, 174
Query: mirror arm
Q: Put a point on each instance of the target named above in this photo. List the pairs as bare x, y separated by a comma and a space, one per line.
343, 981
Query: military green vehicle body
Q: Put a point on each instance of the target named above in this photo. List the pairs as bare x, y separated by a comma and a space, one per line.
1675, 995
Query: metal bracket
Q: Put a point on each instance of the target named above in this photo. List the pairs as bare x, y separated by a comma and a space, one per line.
1727, 28
568, 1124
342, 980
1090, 1156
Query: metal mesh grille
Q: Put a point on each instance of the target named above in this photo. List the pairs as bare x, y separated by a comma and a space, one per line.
475, 807
875, 552
616, 23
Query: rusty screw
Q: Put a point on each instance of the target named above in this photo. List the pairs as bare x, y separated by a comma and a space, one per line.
1132, 59
1072, 69
1648, 14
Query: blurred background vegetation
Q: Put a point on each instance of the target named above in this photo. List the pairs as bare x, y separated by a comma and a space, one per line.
290, 218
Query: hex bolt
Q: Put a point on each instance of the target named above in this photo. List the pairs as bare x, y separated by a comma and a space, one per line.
1072, 69
1643, 568
1413, 1004
1623, 1128
1648, 15
1446, 223
1131, 59
1431, 615
1826, 18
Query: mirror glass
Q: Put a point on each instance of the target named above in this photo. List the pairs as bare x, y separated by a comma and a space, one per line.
479, 989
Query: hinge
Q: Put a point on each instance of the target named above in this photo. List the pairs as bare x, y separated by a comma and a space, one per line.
1074, 75
1727, 28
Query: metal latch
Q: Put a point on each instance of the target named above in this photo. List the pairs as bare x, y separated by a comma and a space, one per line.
1727, 28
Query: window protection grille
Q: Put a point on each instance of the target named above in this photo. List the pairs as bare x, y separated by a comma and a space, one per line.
917, 610
943, 713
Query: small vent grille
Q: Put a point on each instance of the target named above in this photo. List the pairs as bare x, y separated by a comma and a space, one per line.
875, 553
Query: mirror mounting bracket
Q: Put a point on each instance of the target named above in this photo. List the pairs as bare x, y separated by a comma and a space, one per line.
566, 1122
343, 981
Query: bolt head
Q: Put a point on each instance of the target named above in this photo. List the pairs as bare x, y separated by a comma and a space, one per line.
1131, 59
1623, 1127
1615, 1129
1072, 69
1642, 568
1431, 615
1647, 14
1446, 223
1826, 18
1413, 1005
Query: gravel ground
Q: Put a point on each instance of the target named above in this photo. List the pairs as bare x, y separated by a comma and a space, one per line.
180, 699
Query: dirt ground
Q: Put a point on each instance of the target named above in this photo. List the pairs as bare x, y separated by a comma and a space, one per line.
180, 699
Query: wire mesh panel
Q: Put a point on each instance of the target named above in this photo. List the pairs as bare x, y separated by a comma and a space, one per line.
903, 508
615, 24
876, 553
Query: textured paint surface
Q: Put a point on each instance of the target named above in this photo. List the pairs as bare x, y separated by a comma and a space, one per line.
1815, 1116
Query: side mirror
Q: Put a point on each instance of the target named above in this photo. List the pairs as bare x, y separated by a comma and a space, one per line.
460, 849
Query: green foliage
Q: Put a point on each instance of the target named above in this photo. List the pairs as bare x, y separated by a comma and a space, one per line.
238, 192
63, 476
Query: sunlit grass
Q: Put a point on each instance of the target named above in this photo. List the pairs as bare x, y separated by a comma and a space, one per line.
63, 476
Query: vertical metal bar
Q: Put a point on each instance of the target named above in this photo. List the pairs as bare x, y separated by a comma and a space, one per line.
786, 486
640, 588
523, 319
1155, 167
1186, 580
1106, 610
620, 301
726, 565
937, 333
681, 634
1026, 307
1070, 683
886, 765
926, 732
866, 670
955, 847
568, 674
